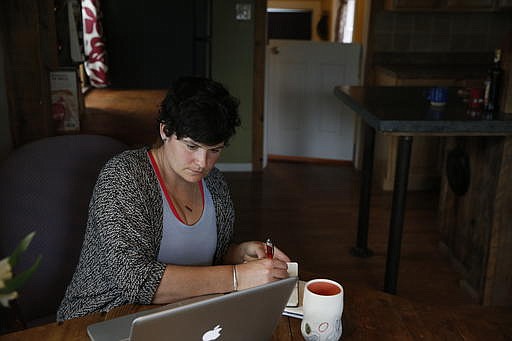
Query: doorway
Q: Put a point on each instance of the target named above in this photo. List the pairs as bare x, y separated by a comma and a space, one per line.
321, 14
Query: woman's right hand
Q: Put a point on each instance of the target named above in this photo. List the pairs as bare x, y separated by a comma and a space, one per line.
260, 271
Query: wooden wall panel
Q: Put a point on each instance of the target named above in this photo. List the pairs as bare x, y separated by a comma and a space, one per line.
498, 278
475, 227
30, 47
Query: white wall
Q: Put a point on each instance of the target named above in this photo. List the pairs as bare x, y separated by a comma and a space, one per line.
5, 133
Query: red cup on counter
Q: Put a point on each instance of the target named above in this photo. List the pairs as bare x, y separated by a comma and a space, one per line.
476, 98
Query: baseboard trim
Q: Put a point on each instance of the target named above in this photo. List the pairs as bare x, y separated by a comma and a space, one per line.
234, 167
302, 159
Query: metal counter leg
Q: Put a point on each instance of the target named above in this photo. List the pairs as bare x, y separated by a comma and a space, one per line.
361, 248
397, 213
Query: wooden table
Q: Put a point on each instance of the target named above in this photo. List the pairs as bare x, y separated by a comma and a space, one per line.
405, 112
368, 315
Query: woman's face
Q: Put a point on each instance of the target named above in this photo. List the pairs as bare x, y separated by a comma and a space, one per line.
189, 159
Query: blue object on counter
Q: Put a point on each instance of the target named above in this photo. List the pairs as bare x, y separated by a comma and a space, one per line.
435, 113
438, 95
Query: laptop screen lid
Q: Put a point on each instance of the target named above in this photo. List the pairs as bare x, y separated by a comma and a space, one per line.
250, 314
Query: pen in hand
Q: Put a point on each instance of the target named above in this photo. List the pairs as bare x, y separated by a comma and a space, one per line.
269, 248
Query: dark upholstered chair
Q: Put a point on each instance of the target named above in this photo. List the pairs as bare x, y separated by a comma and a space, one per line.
45, 186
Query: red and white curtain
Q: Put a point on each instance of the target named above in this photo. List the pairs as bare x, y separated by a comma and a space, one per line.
94, 47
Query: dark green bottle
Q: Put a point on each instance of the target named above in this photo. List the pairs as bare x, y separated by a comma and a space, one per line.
493, 84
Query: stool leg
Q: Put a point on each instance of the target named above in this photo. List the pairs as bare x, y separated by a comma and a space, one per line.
397, 213
361, 248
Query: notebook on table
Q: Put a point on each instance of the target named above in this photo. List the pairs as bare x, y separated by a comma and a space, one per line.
250, 314
296, 311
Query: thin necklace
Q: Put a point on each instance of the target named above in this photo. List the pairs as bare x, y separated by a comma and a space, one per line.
173, 197
188, 207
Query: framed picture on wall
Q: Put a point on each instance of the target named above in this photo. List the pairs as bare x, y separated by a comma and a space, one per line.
67, 99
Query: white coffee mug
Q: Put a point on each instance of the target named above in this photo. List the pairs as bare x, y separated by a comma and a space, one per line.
323, 307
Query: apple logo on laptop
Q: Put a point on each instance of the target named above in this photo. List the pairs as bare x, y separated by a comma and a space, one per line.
213, 334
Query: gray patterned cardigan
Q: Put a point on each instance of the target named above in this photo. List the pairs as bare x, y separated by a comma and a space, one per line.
118, 261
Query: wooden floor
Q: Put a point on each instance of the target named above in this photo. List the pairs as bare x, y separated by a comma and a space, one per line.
309, 210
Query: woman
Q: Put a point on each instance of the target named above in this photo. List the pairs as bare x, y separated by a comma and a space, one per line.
160, 223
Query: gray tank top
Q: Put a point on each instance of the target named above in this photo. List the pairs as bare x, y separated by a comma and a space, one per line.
184, 244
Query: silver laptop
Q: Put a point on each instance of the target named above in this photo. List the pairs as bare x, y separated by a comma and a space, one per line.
250, 314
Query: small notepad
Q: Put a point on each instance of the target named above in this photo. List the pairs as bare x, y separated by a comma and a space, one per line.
296, 311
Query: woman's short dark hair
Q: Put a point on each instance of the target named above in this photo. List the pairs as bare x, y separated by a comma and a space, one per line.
201, 109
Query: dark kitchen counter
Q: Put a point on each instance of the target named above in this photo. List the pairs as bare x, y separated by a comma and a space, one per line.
480, 162
406, 111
